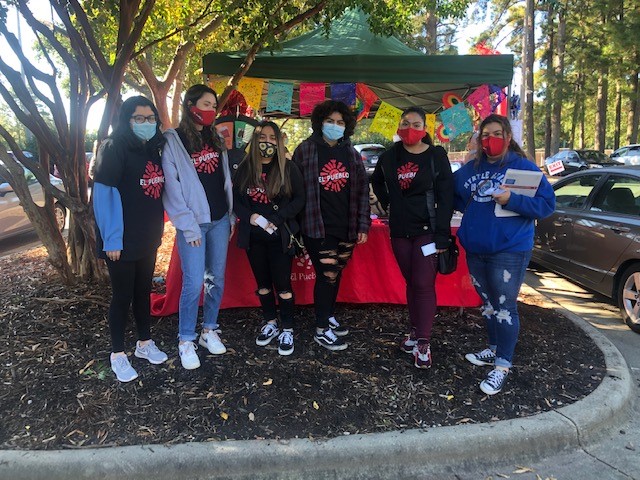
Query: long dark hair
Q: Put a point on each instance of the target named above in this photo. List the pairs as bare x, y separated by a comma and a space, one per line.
506, 130
188, 126
122, 131
326, 108
423, 115
249, 174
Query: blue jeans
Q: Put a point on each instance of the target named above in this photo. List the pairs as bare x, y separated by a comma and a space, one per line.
204, 263
497, 278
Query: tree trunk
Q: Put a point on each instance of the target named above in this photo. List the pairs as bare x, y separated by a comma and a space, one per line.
582, 141
431, 33
178, 85
618, 119
558, 96
551, 84
575, 115
600, 130
527, 74
83, 246
633, 108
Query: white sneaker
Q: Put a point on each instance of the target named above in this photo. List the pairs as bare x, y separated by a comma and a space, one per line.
122, 368
188, 355
150, 352
211, 341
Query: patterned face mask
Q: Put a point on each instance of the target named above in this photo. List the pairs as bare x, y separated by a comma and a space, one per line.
267, 149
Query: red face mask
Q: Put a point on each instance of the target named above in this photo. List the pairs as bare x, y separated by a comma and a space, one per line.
202, 117
410, 136
493, 146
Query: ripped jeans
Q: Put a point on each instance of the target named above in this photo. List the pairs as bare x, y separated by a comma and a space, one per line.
497, 278
204, 264
329, 257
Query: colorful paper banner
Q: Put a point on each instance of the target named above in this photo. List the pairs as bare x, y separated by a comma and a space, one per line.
442, 133
251, 89
499, 96
456, 120
430, 124
479, 100
218, 84
386, 120
365, 98
344, 92
279, 96
311, 94
451, 99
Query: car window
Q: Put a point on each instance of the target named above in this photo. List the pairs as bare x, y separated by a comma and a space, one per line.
620, 194
592, 156
619, 152
371, 151
29, 176
574, 194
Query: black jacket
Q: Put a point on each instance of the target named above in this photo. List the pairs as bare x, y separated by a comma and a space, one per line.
284, 209
409, 214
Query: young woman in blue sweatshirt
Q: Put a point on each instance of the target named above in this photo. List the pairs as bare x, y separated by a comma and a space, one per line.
498, 248
127, 201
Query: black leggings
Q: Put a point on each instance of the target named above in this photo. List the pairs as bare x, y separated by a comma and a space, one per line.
272, 269
329, 256
130, 283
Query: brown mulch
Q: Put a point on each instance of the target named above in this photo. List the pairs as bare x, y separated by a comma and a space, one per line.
58, 390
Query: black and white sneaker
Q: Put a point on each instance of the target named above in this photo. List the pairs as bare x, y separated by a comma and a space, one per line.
285, 346
268, 332
494, 381
328, 339
485, 357
339, 330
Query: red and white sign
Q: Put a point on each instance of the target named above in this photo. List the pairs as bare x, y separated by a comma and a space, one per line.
555, 167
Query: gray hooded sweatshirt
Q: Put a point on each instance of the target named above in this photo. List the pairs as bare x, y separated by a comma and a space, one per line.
184, 198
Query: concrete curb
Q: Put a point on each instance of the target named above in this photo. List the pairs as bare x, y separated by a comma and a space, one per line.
438, 451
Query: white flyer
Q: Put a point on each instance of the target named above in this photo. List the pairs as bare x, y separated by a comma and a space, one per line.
263, 222
522, 182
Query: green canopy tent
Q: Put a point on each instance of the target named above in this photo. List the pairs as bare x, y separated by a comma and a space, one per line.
350, 52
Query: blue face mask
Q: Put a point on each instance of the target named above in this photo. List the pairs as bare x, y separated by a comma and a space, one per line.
144, 131
332, 132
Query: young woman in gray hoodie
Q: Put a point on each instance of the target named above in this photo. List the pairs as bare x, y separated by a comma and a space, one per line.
198, 199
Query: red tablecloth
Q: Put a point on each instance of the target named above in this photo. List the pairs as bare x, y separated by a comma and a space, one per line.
371, 276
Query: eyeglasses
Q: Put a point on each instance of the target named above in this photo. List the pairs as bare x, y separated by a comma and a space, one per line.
142, 118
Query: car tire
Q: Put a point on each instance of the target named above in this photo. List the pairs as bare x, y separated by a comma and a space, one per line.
61, 216
629, 296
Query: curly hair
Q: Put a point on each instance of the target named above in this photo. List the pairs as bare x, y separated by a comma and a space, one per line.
325, 109
188, 126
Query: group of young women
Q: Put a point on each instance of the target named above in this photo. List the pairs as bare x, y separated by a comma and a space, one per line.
322, 194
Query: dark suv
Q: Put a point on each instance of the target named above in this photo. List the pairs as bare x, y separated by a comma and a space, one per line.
369, 152
576, 160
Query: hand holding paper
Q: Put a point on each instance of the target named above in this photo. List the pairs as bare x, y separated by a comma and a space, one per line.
522, 182
265, 224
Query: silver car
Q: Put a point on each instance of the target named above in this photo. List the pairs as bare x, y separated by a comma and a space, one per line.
13, 219
629, 155
593, 237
